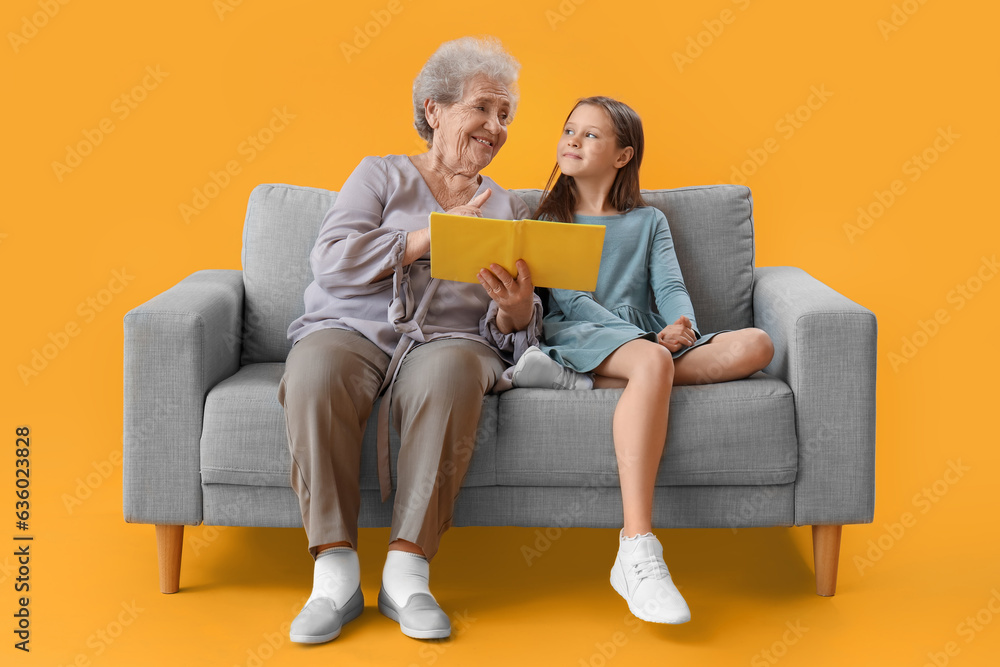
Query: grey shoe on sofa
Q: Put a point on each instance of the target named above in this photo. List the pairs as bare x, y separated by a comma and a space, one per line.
205, 440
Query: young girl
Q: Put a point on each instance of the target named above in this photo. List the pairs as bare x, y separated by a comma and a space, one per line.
615, 334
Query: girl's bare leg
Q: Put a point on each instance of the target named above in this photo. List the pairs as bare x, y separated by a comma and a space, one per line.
640, 424
730, 355
647, 372
604, 382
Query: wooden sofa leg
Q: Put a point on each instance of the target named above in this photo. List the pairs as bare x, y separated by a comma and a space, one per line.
169, 543
826, 556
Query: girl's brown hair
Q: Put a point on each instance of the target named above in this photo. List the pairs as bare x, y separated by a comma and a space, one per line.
560, 196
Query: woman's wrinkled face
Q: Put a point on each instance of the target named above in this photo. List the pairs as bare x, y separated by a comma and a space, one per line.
472, 130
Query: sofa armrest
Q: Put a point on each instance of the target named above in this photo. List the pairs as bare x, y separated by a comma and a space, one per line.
178, 345
825, 350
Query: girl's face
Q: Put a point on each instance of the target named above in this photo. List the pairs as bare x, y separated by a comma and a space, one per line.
588, 147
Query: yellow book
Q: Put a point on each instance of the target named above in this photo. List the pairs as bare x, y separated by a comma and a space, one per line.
559, 254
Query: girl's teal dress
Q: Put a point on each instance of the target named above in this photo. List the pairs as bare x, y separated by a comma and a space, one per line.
639, 276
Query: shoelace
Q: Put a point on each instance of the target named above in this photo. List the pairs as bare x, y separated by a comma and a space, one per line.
650, 568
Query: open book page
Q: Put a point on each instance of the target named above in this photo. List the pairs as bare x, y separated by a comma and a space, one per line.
560, 255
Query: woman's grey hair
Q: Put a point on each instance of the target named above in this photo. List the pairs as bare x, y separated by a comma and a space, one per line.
445, 73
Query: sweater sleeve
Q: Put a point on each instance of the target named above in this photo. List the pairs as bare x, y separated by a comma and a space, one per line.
512, 345
582, 306
352, 247
521, 210
672, 299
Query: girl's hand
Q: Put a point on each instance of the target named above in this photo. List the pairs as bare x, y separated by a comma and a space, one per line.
677, 335
515, 297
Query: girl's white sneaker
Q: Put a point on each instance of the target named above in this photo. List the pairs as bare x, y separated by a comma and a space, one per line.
642, 578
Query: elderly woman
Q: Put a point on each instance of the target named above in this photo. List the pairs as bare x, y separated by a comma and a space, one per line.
375, 321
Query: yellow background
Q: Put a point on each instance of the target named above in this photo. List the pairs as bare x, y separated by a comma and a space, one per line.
224, 72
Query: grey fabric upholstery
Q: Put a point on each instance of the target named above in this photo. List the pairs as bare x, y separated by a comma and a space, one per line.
281, 227
178, 345
563, 438
244, 439
205, 439
558, 506
824, 349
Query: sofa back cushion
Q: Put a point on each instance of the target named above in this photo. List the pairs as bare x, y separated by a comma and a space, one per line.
712, 227
281, 227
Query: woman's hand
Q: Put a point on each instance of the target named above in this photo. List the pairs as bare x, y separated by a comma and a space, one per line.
472, 208
418, 243
514, 297
677, 335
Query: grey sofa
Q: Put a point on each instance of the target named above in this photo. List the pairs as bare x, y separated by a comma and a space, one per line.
205, 440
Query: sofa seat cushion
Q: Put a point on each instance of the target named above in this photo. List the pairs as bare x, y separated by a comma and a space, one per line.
740, 432
244, 440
